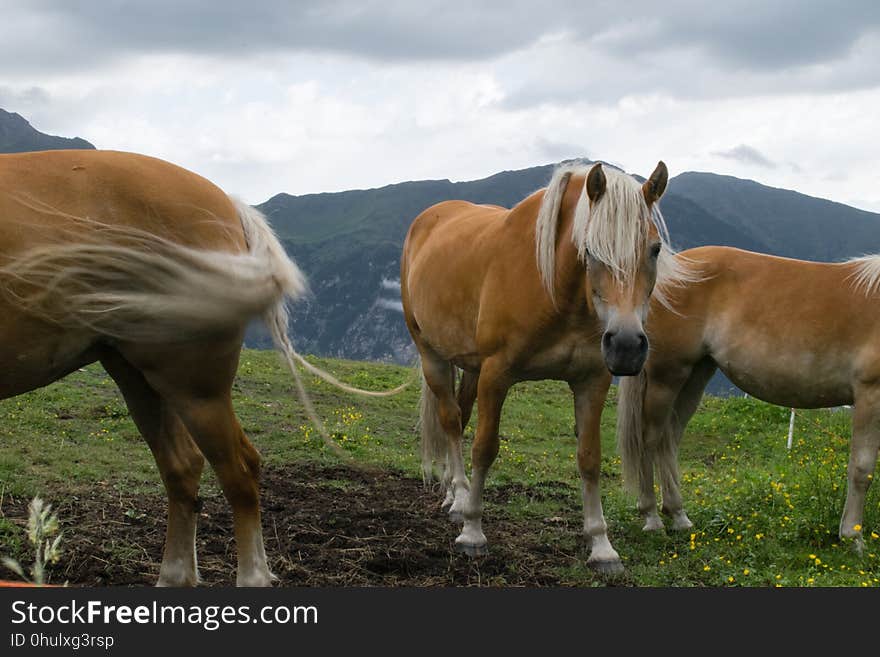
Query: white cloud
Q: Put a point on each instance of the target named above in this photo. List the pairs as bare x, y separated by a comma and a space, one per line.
301, 116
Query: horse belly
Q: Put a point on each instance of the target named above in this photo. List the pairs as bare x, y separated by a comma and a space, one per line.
34, 354
787, 377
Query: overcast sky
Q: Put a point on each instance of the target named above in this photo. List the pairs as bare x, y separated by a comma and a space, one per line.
299, 97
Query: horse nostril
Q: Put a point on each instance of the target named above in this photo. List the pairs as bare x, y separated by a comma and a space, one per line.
643, 341
608, 338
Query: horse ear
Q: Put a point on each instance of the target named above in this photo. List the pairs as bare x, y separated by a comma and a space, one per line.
596, 182
655, 185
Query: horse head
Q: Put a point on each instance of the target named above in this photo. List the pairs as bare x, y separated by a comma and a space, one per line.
620, 240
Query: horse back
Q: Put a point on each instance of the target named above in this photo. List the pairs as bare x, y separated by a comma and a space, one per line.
43, 192
772, 323
60, 198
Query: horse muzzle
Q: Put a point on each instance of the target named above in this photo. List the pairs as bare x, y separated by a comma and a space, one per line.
624, 352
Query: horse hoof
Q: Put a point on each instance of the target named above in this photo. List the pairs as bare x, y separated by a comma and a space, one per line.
472, 551
456, 516
607, 568
653, 527
858, 545
682, 525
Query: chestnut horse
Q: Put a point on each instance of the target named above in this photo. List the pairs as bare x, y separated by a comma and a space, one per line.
793, 333
154, 272
555, 288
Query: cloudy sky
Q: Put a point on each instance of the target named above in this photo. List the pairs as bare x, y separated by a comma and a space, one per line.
264, 97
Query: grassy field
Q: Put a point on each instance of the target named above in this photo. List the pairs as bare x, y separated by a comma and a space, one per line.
763, 515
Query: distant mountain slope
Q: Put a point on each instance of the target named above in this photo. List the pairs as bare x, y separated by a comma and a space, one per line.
19, 136
789, 223
349, 243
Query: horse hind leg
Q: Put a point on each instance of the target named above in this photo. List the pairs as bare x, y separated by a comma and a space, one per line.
862, 462
492, 389
658, 405
216, 431
465, 397
197, 384
441, 431
667, 456
180, 464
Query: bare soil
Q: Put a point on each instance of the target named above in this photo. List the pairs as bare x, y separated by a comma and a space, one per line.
323, 526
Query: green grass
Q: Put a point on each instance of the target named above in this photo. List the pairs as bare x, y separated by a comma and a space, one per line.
763, 515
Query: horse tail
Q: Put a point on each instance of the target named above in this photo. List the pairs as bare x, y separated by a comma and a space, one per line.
263, 244
630, 435
130, 284
434, 442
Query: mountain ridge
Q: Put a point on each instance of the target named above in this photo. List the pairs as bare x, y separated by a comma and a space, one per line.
348, 243
17, 135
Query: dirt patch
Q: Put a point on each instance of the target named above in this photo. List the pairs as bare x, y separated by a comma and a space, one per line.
323, 526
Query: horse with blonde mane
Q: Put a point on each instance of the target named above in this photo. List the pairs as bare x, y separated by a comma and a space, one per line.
555, 288
793, 333
154, 272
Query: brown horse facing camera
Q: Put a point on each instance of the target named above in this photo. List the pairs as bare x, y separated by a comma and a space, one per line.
154, 272
789, 332
555, 288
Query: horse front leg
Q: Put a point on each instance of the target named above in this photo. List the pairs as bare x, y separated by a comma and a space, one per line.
589, 398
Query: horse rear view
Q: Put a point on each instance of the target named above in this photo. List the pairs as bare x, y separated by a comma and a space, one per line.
154, 272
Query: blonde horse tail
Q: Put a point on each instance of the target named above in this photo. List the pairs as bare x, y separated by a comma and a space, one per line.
132, 285
630, 434
263, 243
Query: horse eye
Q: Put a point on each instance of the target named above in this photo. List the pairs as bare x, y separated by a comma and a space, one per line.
655, 250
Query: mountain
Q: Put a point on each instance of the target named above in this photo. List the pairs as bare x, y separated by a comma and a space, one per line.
788, 223
349, 243
18, 136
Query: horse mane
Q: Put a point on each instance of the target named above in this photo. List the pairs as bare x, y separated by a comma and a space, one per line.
866, 277
607, 231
